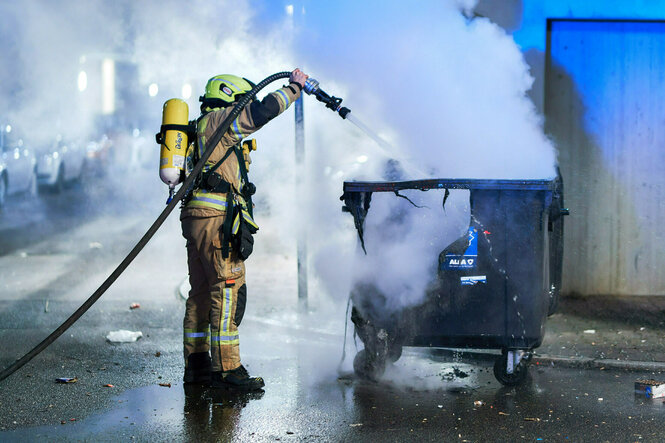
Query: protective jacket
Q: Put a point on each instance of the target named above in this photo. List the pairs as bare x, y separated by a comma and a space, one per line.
250, 119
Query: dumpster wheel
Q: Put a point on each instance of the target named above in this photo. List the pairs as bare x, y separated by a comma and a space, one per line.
520, 371
394, 352
368, 366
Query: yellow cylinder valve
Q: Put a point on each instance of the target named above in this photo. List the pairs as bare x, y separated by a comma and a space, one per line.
247, 147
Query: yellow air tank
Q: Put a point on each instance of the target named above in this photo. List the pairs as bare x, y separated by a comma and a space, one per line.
174, 141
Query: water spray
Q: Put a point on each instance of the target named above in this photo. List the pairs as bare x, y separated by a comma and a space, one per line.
335, 103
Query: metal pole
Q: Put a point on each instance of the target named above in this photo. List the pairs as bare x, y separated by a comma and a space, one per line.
302, 232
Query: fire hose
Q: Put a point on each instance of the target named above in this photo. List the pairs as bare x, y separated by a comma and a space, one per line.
311, 87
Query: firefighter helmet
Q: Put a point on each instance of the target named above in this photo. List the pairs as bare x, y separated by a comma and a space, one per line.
227, 88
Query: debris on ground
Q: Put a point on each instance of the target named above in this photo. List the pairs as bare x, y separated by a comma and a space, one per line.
455, 373
134, 306
158, 354
166, 385
66, 380
346, 375
650, 388
531, 419
589, 331
478, 403
123, 336
355, 425
108, 385
459, 373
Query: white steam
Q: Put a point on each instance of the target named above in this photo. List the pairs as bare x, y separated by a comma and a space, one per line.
450, 94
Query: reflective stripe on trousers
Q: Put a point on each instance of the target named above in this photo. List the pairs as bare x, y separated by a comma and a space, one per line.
226, 336
194, 336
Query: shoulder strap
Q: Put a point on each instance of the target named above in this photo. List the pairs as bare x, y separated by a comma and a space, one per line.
245, 178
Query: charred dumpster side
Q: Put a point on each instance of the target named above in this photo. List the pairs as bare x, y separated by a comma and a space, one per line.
492, 289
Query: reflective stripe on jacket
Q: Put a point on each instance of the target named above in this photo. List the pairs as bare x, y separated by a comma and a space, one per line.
241, 127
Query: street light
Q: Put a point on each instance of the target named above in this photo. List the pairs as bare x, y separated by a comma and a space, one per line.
153, 89
186, 91
83, 81
108, 86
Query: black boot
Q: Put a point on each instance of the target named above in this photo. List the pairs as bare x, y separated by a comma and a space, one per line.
198, 368
236, 379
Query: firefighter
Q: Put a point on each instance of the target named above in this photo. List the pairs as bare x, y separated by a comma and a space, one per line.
217, 224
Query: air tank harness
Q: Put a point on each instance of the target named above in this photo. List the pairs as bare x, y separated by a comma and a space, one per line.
239, 226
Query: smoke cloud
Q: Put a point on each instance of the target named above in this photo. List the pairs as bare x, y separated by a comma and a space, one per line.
449, 93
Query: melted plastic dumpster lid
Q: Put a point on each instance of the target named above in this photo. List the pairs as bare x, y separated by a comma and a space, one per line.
450, 183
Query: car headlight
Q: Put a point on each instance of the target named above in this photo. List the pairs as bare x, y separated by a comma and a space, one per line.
47, 159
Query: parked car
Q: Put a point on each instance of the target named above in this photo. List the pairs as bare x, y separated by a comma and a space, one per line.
98, 156
144, 154
62, 162
133, 150
18, 172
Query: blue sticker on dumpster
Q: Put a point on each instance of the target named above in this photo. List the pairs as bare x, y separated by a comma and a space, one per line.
470, 256
473, 280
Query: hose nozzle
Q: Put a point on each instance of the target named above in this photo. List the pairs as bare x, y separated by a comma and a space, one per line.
334, 103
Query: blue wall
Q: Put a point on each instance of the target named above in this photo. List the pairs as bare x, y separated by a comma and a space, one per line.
528, 24
532, 32
604, 106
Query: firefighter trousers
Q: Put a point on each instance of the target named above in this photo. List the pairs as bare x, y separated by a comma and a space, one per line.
216, 302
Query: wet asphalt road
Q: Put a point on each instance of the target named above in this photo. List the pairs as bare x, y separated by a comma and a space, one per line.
54, 253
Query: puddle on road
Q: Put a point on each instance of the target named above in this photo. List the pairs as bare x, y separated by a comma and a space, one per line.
194, 413
423, 374
181, 411
297, 406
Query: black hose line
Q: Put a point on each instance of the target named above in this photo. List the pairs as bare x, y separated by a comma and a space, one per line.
212, 142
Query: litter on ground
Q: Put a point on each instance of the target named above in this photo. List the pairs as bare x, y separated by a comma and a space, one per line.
123, 336
66, 380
